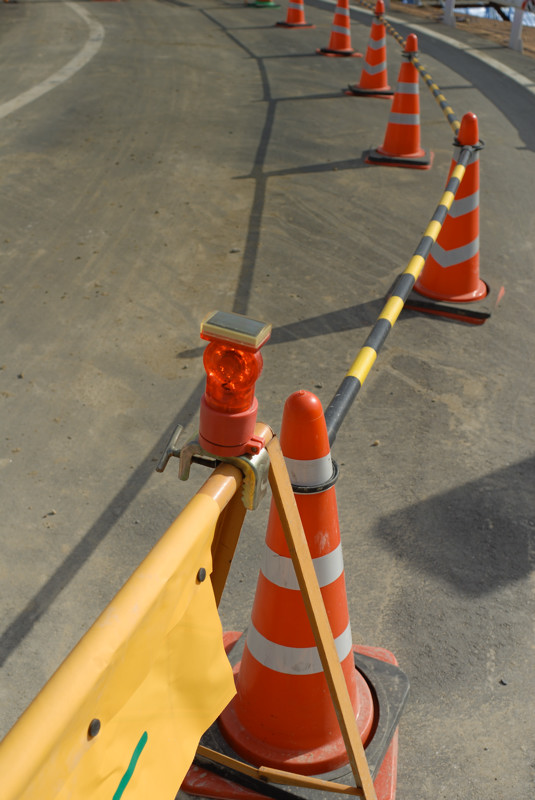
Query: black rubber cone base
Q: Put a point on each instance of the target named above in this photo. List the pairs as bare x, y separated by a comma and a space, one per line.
418, 162
356, 90
473, 313
294, 25
324, 51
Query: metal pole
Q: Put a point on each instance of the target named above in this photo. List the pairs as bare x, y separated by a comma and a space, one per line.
515, 40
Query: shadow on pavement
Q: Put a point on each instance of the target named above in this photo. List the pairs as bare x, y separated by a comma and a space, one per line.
477, 538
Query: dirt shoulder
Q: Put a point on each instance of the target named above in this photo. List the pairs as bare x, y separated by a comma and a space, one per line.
491, 30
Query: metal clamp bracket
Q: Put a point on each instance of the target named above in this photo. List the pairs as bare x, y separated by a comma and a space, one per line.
255, 468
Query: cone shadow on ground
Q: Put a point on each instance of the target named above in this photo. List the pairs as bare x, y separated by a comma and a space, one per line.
289, 55
329, 166
322, 96
477, 537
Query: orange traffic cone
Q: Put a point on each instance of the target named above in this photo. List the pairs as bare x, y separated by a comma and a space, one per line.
295, 17
401, 146
283, 714
340, 40
451, 271
373, 78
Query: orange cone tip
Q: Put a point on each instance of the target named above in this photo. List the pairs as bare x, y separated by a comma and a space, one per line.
411, 44
468, 133
303, 430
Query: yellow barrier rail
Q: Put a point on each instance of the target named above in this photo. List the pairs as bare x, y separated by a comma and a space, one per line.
128, 705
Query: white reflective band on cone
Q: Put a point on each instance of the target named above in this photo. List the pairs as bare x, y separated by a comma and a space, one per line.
280, 569
376, 44
293, 660
314, 472
339, 29
464, 205
404, 119
450, 258
375, 69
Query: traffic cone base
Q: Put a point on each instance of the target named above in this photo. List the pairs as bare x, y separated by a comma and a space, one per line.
421, 160
480, 292
355, 89
471, 312
294, 25
390, 690
324, 51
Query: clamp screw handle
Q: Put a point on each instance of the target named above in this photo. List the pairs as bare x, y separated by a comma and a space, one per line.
172, 449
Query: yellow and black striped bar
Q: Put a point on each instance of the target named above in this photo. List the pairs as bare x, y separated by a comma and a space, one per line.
438, 95
393, 32
337, 409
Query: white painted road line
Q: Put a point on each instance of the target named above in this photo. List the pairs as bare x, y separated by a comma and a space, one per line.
90, 49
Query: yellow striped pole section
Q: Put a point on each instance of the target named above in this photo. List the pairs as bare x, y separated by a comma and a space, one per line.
438, 95
358, 372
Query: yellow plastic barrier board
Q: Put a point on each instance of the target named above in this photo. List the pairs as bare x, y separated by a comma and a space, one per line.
151, 675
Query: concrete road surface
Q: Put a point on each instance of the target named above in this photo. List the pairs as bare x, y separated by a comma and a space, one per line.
160, 159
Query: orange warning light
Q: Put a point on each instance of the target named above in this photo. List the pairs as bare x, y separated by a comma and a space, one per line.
231, 375
233, 364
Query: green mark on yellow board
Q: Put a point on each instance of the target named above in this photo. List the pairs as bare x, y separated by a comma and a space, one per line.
125, 780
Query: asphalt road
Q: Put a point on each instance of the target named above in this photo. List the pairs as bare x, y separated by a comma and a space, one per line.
180, 157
